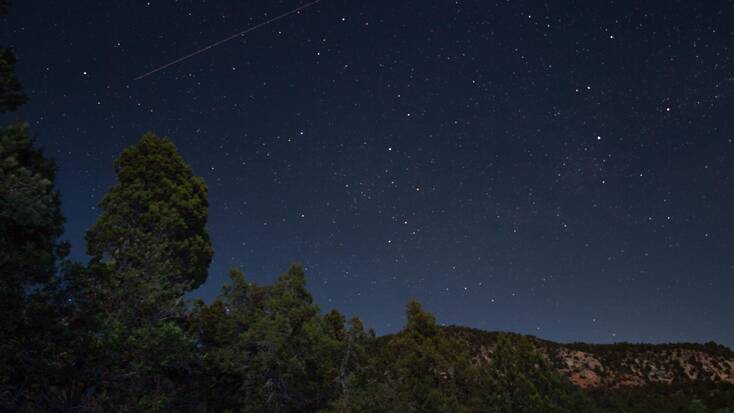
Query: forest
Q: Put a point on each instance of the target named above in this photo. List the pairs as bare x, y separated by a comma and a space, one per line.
117, 333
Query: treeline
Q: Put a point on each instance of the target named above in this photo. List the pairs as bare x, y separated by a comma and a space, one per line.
711, 348
116, 334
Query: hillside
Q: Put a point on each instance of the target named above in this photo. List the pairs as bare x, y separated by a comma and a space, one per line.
593, 366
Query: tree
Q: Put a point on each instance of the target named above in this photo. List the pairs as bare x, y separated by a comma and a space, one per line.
11, 90
149, 247
522, 381
30, 214
416, 370
267, 348
31, 314
30, 225
154, 219
219, 329
343, 354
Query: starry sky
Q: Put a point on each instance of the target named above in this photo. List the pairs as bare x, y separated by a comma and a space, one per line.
562, 169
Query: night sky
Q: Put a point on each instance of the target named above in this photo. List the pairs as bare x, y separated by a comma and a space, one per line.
557, 168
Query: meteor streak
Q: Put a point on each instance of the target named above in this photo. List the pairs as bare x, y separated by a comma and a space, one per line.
225, 40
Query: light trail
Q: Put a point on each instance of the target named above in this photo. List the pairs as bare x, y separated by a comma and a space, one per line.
225, 40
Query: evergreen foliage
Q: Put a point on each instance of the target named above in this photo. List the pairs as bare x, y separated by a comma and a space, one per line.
149, 247
33, 336
412, 371
266, 348
153, 221
11, 90
523, 381
30, 217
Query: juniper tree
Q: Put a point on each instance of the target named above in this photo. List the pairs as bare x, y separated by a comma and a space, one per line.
152, 230
149, 246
